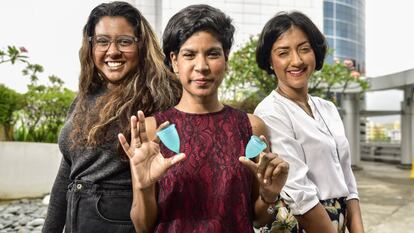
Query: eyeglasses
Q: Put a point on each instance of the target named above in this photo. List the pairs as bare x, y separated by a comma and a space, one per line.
123, 43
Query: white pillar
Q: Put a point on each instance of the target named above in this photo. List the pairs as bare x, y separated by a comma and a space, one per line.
407, 127
152, 11
350, 117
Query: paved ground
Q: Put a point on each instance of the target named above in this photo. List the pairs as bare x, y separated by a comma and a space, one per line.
387, 198
386, 192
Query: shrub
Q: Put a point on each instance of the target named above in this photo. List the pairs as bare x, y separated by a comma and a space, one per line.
42, 110
10, 101
44, 113
246, 84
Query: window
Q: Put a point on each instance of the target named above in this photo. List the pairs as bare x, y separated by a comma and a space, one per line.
328, 27
328, 9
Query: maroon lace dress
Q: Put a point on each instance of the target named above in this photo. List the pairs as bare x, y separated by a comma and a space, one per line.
211, 190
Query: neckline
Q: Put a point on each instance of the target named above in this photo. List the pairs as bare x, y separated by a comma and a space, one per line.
225, 107
284, 95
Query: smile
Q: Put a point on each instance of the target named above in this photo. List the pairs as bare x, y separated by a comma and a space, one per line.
201, 81
114, 64
297, 73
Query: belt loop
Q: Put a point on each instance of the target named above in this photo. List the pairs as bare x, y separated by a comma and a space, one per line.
70, 186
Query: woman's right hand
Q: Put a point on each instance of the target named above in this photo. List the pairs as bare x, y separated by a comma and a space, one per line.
146, 161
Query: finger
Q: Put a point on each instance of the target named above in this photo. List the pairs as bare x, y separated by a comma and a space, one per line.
249, 164
135, 141
267, 149
161, 127
124, 144
175, 159
156, 139
263, 162
142, 129
281, 168
267, 178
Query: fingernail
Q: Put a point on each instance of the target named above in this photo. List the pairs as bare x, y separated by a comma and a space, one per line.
265, 181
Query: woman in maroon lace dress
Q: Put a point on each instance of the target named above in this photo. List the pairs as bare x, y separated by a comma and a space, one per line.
208, 187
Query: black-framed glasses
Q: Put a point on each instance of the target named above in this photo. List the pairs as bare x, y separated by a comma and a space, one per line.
124, 43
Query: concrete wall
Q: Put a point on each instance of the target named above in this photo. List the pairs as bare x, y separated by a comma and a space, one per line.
27, 169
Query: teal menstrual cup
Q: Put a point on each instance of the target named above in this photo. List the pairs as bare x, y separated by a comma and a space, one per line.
169, 137
254, 147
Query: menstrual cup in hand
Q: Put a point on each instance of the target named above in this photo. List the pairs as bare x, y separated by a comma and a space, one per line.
170, 138
254, 147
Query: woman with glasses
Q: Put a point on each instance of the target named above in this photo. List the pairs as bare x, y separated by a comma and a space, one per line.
122, 71
307, 131
210, 186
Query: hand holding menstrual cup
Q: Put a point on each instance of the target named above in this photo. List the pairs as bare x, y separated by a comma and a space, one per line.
169, 137
254, 147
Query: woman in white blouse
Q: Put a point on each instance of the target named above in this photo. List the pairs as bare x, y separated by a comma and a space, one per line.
306, 131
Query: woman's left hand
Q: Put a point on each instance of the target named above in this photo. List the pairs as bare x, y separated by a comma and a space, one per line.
271, 172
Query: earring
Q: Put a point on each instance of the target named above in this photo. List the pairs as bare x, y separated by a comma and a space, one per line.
271, 67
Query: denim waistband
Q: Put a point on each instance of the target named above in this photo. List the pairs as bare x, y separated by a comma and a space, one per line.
87, 186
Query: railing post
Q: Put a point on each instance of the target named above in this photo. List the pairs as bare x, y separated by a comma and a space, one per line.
351, 119
407, 128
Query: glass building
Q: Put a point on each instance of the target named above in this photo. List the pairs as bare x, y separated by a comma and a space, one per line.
344, 27
342, 21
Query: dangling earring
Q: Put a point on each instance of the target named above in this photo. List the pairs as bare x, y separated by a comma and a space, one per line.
271, 67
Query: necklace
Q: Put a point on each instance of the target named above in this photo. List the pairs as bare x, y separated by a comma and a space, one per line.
304, 106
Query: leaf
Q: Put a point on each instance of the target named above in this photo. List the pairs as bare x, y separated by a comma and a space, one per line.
38, 114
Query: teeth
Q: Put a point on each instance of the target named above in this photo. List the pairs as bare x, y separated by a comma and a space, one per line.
296, 72
114, 63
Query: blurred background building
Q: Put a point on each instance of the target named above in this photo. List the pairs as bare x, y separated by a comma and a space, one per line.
344, 27
342, 21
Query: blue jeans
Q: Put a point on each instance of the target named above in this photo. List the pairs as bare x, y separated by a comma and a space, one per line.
98, 208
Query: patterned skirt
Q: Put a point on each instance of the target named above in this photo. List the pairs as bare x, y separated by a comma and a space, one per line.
285, 222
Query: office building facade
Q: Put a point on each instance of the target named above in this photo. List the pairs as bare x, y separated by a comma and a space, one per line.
344, 27
342, 21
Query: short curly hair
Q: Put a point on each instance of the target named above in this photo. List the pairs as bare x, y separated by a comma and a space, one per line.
193, 19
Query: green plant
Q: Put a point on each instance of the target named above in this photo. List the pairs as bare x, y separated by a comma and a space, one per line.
45, 106
335, 78
44, 114
13, 54
244, 78
246, 84
10, 101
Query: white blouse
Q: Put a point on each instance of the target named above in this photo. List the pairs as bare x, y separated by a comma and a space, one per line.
316, 149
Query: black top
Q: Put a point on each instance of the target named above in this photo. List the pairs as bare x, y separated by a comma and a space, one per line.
97, 165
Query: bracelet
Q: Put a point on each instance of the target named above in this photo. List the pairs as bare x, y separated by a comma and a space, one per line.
270, 203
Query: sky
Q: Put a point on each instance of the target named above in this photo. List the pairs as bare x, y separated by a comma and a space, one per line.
51, 31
